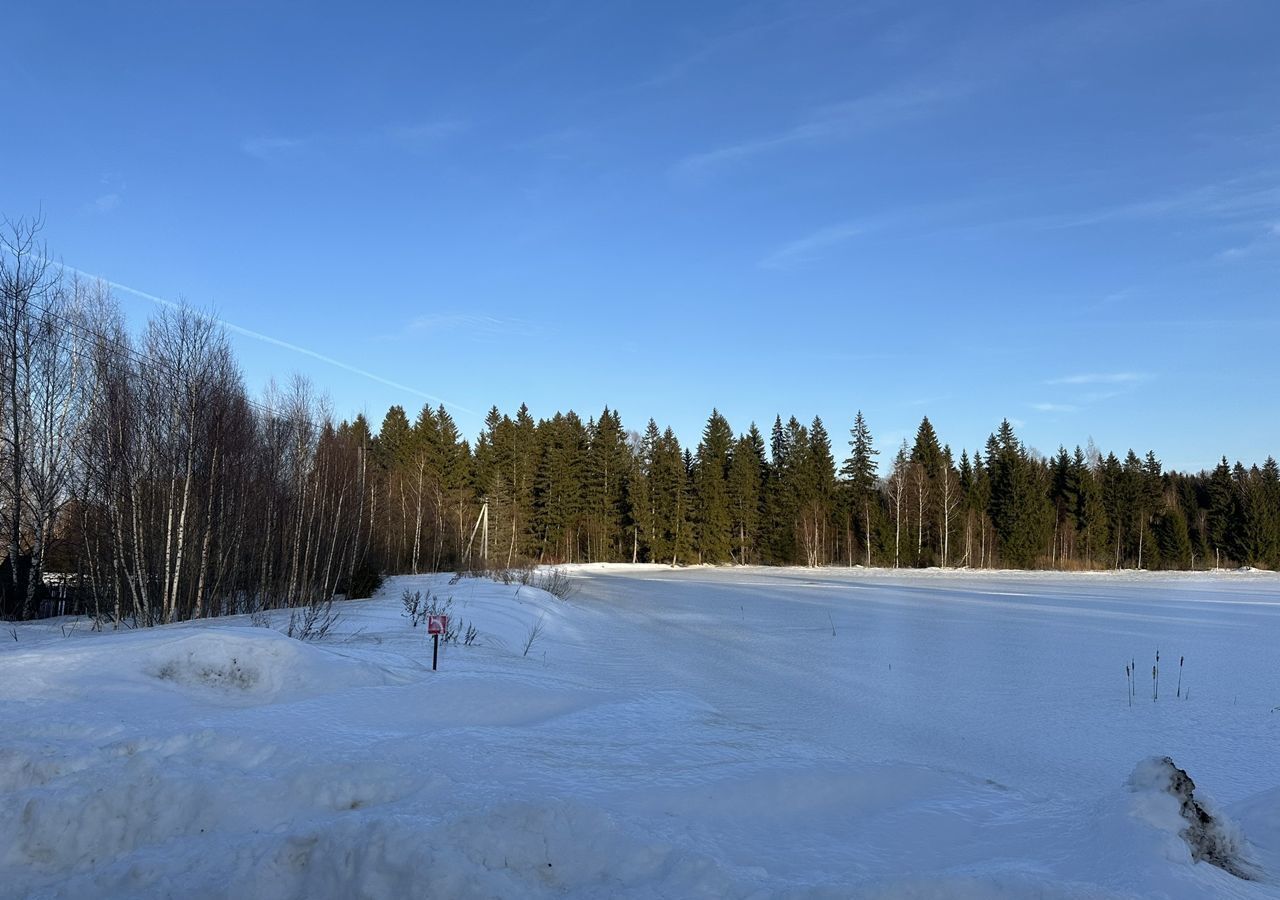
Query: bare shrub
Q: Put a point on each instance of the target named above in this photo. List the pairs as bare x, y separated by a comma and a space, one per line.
413, 606
418, 606
535, 632
313, 621
556, 583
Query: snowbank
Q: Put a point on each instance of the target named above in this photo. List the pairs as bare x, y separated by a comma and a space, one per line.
221, 665
702, 732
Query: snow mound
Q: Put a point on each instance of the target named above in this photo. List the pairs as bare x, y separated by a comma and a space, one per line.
225, 665
1165, 798
509, 850
257, 663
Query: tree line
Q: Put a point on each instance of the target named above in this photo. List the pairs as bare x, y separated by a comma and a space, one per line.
565, 490
140, 469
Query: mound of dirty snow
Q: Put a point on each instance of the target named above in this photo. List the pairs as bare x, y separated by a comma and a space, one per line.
222, 665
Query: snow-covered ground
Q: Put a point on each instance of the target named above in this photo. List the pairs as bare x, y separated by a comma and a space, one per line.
671, 733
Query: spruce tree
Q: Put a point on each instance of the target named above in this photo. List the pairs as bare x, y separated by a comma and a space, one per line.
779, 497
1090, 515
798, 490
524, 449
860, 472
926, 463
559, 488
669, 482
926, 451
1172, 537
820, 503
1062, 496
394, 440
713, 518
1019, 505
642, 498
392, 449
608, 463
747, 471
1269, 514
1223, 512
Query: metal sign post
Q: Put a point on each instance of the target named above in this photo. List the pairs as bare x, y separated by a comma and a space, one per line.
436, 626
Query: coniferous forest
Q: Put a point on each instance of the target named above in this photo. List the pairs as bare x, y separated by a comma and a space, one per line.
140, 471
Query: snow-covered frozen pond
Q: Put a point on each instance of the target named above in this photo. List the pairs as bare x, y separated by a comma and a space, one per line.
675, 733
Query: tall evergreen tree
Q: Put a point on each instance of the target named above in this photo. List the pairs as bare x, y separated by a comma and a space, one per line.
819, 502
669, 483
1062, 488
747, 474
798, 489
1172, 537
1089, 514
780, 496
559, 487
860, 471
1224, 512
927, 451
608, 463
714, 540
1269, 514
1019, 505
642, 499
1112, 492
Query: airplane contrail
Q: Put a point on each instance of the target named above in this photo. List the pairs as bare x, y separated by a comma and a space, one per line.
266, 338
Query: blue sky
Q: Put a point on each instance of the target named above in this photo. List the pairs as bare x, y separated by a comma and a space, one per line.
1063, 213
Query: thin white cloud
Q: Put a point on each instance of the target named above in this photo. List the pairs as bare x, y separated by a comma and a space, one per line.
446, 321
1101, 378
105, 203
1269, 240
737, 39
413, 136
112, 195
475, 325
810, 246
838, 121
1055, 407
268, 339
1241, 200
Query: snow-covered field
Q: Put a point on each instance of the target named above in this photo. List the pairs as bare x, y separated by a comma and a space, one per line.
690, 733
